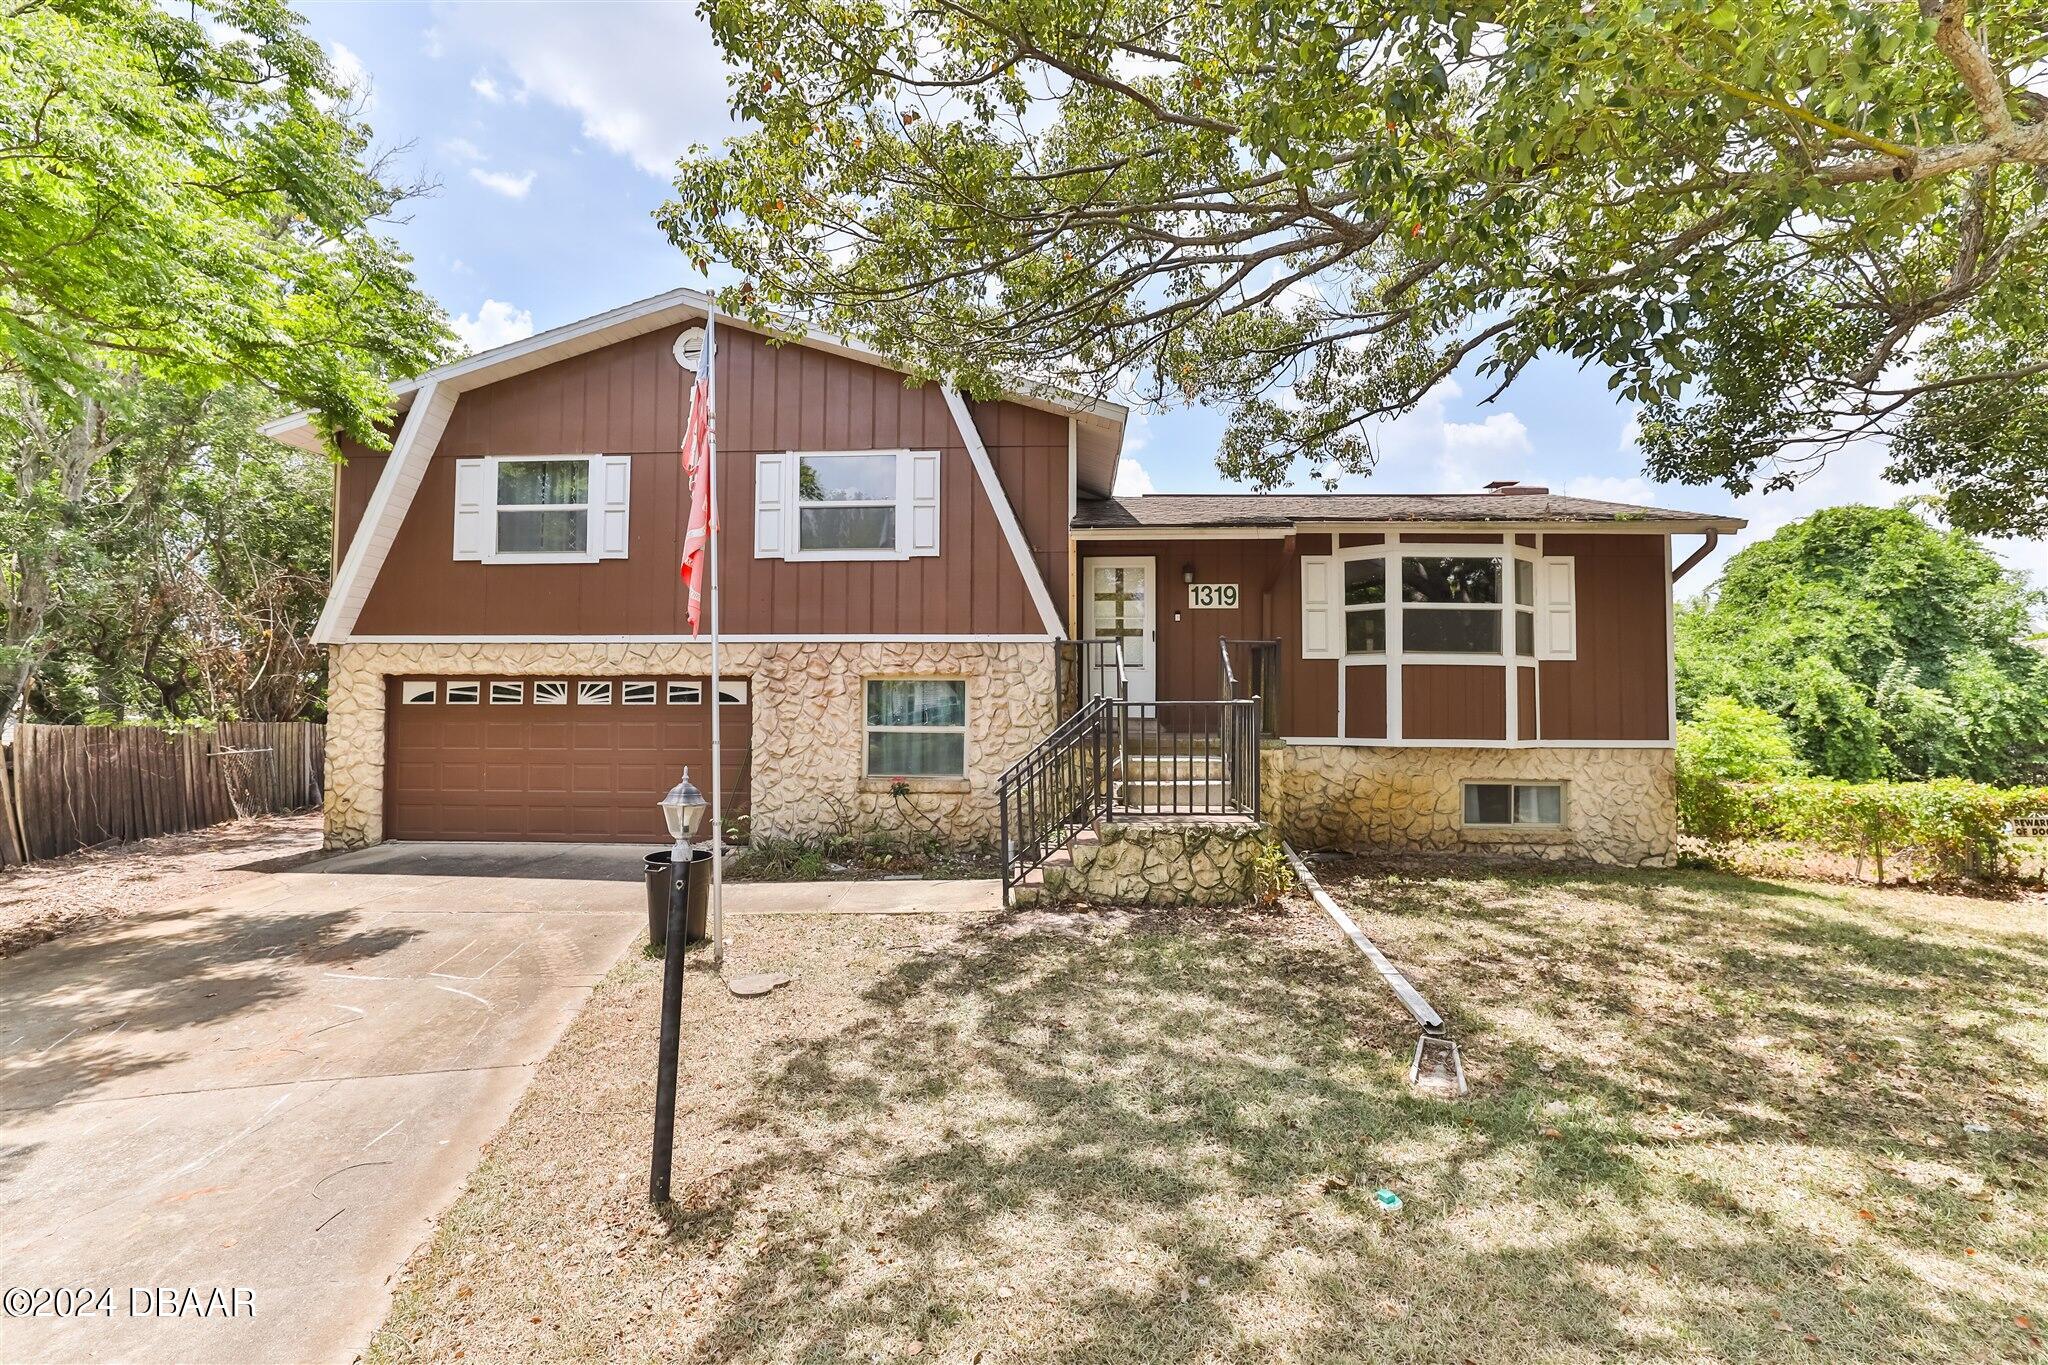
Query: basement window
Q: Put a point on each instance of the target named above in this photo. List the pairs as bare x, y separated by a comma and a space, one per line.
1514, 803
916, 727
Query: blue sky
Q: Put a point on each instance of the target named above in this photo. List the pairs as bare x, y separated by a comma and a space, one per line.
551, 128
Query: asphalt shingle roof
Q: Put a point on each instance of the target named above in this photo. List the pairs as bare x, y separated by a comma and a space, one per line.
1285, 509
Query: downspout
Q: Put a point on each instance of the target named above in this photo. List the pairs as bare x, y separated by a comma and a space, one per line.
1706, 548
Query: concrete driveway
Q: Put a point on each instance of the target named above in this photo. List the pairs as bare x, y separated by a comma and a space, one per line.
276, 1089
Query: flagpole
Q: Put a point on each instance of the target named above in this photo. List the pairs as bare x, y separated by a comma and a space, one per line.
717, 764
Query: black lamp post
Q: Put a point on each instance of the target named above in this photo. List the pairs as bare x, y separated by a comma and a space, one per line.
683, 808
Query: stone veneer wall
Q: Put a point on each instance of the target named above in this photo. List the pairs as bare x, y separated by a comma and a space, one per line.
808, 725
1157, 862
1620, 805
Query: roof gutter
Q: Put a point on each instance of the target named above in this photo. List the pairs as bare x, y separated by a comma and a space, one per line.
1706, 548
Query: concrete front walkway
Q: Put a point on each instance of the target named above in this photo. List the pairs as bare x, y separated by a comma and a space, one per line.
277, 1088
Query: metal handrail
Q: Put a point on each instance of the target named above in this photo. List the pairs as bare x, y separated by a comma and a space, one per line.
1229, 673
1162, 758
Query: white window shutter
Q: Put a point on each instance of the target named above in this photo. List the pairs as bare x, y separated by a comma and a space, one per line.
922, 504
1557, 608
472, 485
614, 481
771, 502
1321, 621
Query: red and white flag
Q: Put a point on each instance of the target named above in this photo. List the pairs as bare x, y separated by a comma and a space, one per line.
697, 446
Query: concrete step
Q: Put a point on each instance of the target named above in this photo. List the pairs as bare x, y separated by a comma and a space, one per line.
1173, 767
1164, 795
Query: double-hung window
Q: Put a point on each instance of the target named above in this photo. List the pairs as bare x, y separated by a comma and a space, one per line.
1450, 604
542, 509
916, 727
846, 504
1365, 606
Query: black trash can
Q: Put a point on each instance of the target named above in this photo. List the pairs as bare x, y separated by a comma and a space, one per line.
660, 876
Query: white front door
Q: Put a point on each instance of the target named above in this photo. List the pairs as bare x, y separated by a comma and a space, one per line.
1120, 605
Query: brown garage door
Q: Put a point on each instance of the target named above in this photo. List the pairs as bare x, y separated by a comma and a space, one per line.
553, 758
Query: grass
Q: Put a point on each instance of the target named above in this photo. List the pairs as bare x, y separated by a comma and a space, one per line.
1713, 1119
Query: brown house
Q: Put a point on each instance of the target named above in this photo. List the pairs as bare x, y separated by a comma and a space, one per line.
923, 592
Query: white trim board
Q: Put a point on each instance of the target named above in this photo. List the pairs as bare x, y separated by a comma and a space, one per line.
1333, 741
992, 488
704, 640
389, 502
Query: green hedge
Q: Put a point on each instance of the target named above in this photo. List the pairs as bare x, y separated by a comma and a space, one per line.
1947, 827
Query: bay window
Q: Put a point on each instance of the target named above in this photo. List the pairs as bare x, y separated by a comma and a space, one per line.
1449, 604
1365, 606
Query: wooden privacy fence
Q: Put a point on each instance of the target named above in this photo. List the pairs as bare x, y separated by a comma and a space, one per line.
73, 786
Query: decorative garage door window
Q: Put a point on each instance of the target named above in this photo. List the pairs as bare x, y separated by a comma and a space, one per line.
917, 727
508, 693
551, 693
685, 694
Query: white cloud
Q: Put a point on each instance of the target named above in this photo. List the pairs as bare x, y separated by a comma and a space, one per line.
644, 78
1137, 431
349, 70
1502, 433
462, 149
1424, 451
495, 324
486, 88
503, 182
1610, 488
1131, 479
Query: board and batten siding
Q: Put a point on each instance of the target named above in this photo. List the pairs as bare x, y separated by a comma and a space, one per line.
1619, 686
1617, 689
632, 399
1188, 663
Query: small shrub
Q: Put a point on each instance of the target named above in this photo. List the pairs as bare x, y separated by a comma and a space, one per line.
1726, 743
1272, 874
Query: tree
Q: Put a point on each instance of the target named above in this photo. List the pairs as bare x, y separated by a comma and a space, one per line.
1781, 230
202, 570
1888, 647
185, 202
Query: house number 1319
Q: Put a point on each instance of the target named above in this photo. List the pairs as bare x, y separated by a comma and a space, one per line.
1212, 594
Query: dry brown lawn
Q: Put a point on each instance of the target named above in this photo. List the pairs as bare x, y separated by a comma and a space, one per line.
1713, 1119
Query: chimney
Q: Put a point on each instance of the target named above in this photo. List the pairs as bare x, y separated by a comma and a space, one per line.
1516, 488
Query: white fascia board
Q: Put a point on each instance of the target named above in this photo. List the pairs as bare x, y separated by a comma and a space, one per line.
424, 423
992, 488
1182, 533
1556, 528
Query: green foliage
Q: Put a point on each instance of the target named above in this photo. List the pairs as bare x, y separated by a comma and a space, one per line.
1948, 827
198, 568
1777, 229
186, 195
860, 850
1272, 876
187, 245
1727, 742
1888, 647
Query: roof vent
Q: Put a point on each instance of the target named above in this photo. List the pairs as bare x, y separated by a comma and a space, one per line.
1517, 488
